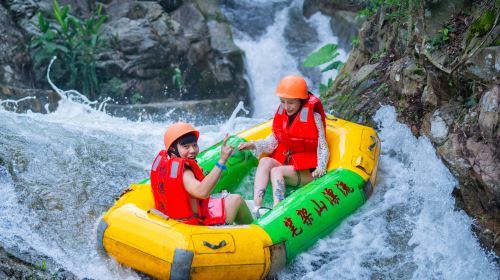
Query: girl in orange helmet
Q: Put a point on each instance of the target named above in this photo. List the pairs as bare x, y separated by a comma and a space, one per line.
181, 190
297, 148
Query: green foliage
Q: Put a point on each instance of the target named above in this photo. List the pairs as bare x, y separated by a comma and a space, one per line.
482, 25
355, 42
136, 98
177, 78
370, 8
383, 87
471, 101
42, 266
326, 54
113, 88
442, 37
323, 89
75, 43
219, 17
397, 8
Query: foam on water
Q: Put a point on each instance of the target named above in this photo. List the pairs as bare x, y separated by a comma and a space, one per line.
68, 167
64, 171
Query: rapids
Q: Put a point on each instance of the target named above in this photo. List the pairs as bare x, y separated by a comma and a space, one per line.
61, 171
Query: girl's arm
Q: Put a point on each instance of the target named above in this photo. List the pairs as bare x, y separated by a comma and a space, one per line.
323, 153
202, 189
266, 145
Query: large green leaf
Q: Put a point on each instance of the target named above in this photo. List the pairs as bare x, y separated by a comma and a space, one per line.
59, 15
334, 65
321, 56
52, 47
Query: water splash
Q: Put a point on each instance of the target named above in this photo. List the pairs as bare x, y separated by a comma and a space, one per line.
230, 123
16, 102
68, 95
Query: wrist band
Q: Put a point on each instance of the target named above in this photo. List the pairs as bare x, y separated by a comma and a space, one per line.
221, 166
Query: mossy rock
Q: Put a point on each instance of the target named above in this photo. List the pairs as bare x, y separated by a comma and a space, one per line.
482, 25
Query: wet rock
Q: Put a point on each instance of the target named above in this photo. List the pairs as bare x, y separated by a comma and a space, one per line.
191, 20
429, 97
485, 168
198, 111
328, 7
13, 266
242, 15
22, 100
363, 73
489, 114
345, 25
221, 39
14, 57
343, 18
452, 154
407, 76
170, 5
436, 91
485, 64
297, 31
439, 128
491, 238
438, 12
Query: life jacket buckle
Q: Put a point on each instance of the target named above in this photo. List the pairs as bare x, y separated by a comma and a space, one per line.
288, 156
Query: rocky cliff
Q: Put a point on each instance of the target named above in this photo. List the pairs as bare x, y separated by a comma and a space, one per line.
147, 43
438, 63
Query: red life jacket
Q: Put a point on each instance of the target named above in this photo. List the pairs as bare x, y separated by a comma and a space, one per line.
298, 142
170, 196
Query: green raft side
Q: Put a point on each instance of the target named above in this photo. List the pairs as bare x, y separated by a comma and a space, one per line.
238, 165
314, 210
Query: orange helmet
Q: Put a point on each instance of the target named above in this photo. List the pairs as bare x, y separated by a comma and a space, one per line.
176, 130
292, 86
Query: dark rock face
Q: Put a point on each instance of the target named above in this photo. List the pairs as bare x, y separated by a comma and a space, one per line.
14, 58
442, 90
22, 100
344, 22
148, 44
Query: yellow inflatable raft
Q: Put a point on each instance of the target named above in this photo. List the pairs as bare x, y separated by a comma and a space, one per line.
138, 236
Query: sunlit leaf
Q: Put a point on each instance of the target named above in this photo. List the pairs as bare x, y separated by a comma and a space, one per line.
335, 65
321, 56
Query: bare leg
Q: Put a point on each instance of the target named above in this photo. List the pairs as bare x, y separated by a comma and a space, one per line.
282, 175
262, 178
237, 210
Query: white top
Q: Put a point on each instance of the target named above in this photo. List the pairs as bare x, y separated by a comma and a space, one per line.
270, 143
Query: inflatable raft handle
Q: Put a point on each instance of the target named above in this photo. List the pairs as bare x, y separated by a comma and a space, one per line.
212, 246
158, 213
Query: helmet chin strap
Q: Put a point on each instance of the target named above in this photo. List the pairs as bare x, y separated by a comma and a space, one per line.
174, 151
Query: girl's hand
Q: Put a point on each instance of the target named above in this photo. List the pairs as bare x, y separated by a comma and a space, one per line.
225, 150
317, 173
246, 146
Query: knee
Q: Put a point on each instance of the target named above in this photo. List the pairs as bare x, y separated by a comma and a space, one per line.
265, 162
277, 172
235, 199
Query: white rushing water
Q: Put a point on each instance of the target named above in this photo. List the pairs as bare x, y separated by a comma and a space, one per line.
269, 57
62, 171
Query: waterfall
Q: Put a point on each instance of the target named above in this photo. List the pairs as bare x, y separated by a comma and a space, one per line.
60, 172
